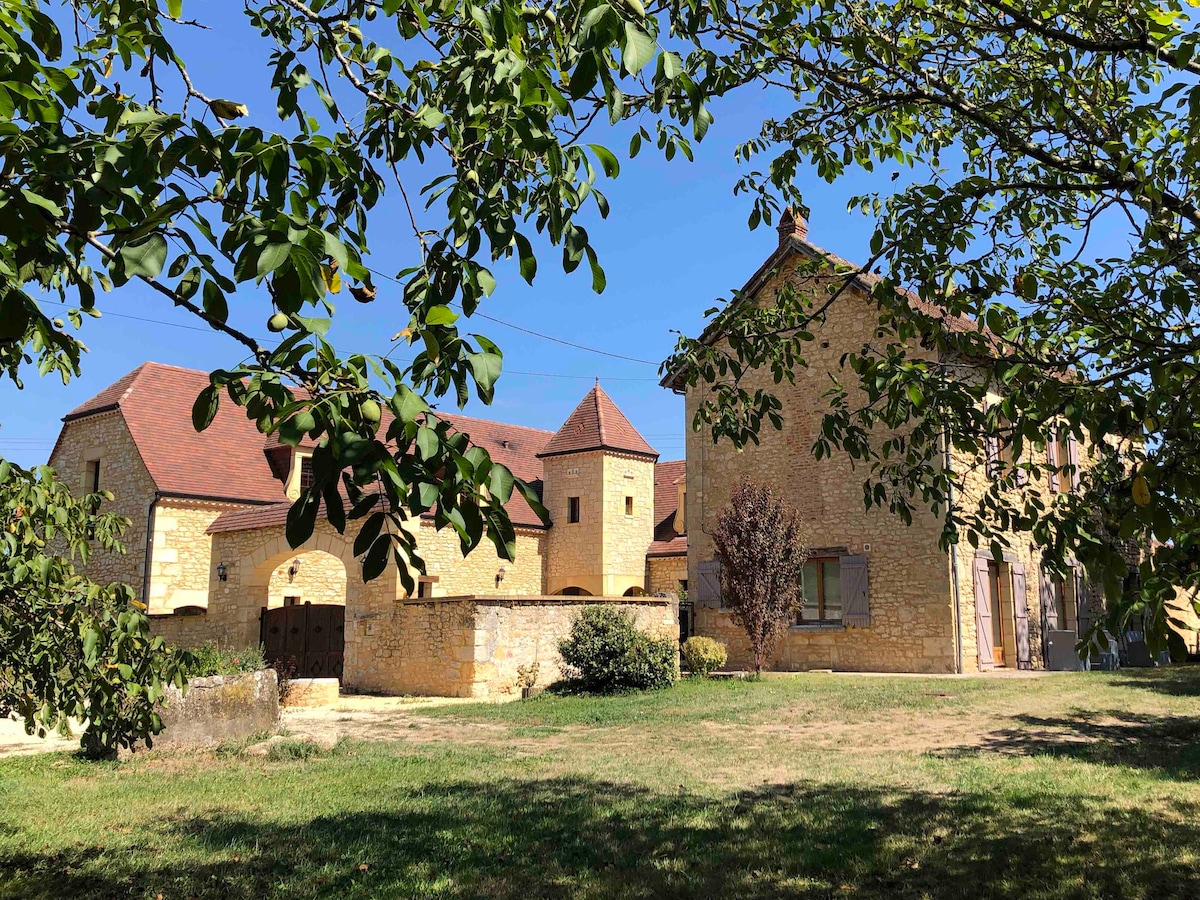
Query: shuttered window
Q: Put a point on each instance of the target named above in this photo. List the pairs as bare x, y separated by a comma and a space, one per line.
821, 589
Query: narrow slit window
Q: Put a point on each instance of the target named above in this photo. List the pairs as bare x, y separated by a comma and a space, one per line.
573, 510
629, 506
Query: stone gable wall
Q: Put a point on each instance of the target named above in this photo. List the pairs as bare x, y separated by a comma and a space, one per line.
105, 437
912, 627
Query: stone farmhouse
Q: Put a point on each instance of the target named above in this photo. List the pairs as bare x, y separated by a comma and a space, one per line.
206, 545
878, 596
208, 552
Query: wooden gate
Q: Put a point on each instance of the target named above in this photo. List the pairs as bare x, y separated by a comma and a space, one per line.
310, 638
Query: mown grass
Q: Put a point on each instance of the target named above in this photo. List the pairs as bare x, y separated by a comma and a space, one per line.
814, 786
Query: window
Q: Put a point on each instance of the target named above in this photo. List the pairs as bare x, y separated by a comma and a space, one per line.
306, 473
91, 486
93, 476
291, 600
425, 586
573, 510
821, 587
629, 506
683, 585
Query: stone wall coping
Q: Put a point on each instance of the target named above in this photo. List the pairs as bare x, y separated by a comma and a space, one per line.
539, 599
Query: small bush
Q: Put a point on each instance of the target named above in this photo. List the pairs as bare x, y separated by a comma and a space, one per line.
606, 652
212, 660
703, 656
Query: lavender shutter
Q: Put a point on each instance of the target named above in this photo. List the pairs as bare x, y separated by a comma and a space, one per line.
1052, 459
855, 592
1049, 607
1073, 459
708, 591
1021, 612
983, 615
1083, 614
991, 449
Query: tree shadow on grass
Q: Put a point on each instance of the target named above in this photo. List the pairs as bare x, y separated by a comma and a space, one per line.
514, 839
1176, 680
1168, 744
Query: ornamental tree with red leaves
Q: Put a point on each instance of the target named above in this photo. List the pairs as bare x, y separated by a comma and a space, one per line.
760, 543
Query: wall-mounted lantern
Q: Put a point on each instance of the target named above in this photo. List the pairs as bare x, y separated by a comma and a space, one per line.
222, 571
293, 570
499, 576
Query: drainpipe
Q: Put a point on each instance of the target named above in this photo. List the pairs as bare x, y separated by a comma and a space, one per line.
146, 568
949, 464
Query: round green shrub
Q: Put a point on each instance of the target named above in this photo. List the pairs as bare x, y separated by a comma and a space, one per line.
606, 652
703, 656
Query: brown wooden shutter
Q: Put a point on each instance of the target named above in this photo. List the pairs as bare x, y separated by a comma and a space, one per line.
708, 590
1052, 459
1021, 613
1073, 459
983, 614
856, 594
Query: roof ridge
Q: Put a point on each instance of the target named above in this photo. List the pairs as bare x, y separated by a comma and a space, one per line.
596, 393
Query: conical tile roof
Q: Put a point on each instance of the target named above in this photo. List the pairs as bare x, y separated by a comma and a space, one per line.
597, 424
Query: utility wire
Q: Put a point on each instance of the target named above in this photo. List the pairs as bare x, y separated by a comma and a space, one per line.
530, 331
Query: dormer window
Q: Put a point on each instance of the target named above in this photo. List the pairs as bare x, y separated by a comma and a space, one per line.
306, 473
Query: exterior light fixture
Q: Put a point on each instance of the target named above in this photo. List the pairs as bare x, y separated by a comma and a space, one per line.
222, 571
293, 570
499, 576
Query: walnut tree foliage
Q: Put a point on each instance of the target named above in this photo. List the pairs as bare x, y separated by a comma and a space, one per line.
1030, 164
116, 167
759, 541
70, 648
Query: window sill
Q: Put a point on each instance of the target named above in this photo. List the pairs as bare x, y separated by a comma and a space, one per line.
819, 626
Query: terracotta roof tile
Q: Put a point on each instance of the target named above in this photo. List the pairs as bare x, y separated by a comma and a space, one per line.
227, 461
597, 424
667, 478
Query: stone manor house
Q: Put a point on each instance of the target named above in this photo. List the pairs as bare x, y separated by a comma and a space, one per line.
207, 547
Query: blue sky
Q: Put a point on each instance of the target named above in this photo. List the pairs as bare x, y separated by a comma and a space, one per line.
675, 241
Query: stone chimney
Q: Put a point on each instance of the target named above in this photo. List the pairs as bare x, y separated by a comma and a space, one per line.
791, 225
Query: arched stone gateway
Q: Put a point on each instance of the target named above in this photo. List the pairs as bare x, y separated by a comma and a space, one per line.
257, 562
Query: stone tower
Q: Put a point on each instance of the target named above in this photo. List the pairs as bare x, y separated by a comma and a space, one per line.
598, 484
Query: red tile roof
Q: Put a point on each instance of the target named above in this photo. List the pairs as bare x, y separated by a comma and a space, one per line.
667, 478
224, 462
597, 424
227, 461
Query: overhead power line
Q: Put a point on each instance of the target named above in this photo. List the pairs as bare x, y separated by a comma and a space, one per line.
530, 331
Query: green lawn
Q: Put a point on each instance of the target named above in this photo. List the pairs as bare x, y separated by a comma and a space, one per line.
1071, 786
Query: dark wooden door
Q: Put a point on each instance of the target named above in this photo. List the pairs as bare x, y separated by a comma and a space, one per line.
309, 638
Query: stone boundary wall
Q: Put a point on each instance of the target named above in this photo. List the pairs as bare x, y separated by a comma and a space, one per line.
220, 708
471, 646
